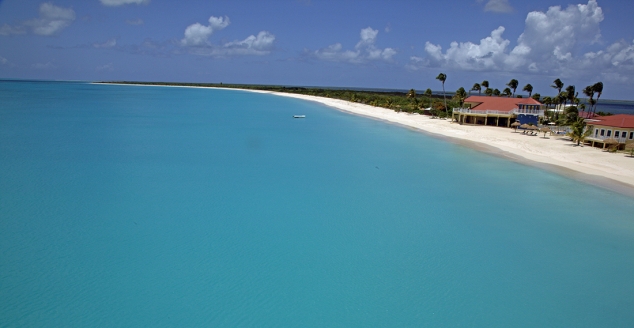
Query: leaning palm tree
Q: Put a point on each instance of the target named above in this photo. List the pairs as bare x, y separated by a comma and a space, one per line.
557, 84
513, 85
442, 77
506, 92
598, 88
476, 87
528, 88
485, 84
590, 94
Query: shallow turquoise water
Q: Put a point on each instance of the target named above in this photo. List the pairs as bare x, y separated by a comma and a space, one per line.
150, 206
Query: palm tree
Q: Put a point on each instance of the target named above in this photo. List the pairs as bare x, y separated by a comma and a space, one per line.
536, 96
598, 88
528, 88
488, 92
496, 92
579, 133
570, 93
589, 92
442, 77
547, 101
485, 84
562, 97
513, 85
506, 92
411, 94
428, 95
557, 84
460, 95
476, 87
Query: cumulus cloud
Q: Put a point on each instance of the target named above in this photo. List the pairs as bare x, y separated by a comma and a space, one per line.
498, 6
108, 44
198, 34
365, 50
52, 20
552, 43
196, 39
115, 3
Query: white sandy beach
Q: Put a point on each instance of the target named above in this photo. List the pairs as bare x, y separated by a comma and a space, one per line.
557, 151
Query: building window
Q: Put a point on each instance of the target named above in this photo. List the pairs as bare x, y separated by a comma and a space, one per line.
602, 132
609, 133
632, 135
596, 132
616, 133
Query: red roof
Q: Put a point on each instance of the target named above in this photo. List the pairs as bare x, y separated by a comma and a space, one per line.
587, 115
617, 121
498, 103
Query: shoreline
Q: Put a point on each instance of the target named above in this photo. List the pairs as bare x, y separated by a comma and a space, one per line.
611, 171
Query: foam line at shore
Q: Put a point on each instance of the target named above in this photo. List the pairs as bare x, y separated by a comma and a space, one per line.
556, 153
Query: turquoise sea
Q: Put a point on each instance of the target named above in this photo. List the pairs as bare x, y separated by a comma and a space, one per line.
130, 206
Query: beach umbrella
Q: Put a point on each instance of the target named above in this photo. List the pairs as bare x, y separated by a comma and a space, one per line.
524, 126
515, 125
545, 130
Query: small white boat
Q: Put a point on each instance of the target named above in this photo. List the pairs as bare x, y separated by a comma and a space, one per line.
299, 116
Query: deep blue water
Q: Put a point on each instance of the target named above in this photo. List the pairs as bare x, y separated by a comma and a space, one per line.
153, 206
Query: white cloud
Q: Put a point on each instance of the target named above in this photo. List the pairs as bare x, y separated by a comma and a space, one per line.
489, 54
108, 44
552, 43
46, 66
52, 20
197, 40
262, 44
106, 67
498, 6
252, 45
3, 60
137, 21
197, 34
115, 3
11, 30
365, 50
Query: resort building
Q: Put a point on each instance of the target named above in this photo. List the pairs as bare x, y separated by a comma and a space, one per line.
498, 111
618, 127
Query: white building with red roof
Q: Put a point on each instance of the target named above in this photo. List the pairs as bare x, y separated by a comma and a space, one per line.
498, 111
619, 127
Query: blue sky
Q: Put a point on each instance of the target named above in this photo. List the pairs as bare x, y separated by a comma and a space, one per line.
375, 44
